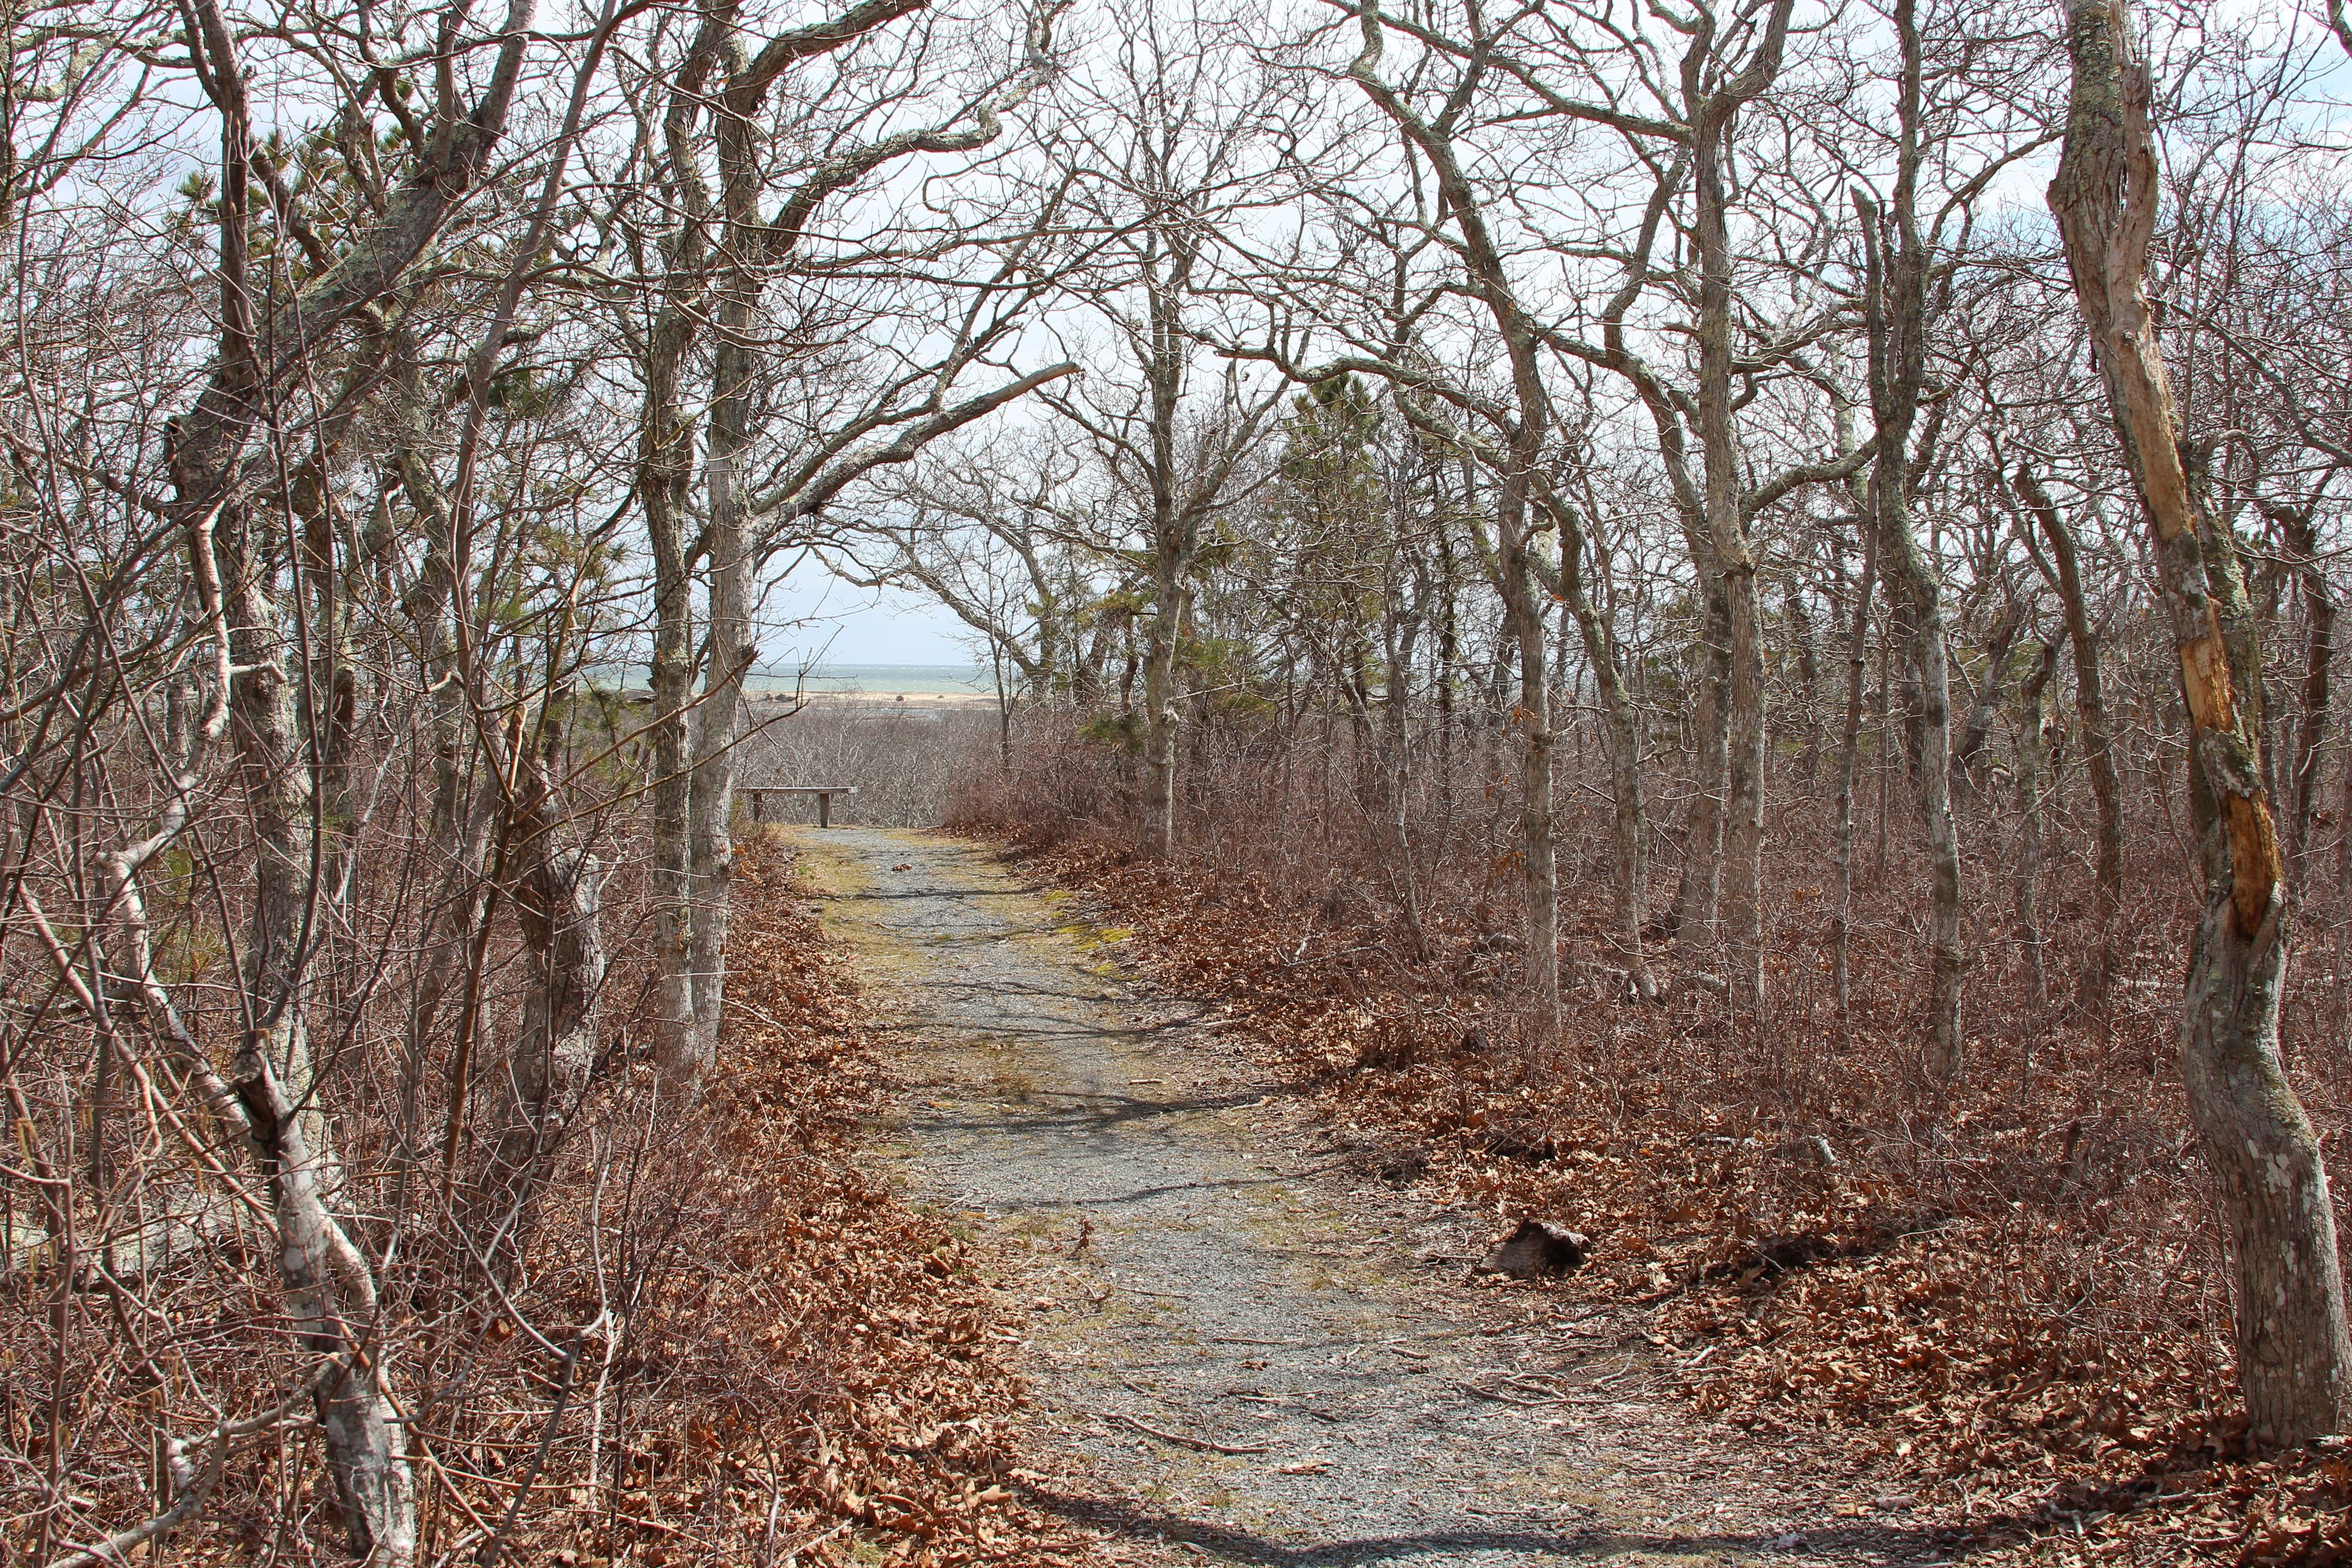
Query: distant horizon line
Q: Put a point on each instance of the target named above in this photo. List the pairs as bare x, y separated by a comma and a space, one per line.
786, 672
830, 668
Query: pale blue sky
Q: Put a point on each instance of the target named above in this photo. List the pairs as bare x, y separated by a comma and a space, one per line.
817, 612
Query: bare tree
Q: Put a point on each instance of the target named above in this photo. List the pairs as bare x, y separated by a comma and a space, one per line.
1159, 164
2294, 1354
726, 253
329, 1287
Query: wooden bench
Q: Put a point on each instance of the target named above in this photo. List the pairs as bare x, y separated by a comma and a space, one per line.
824, 793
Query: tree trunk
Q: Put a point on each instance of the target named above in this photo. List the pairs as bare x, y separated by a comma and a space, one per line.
1401, 636
2098, 742
1743, 837
557, 896
736, 364
1621, 722
2302, 539
665, 472
1447, 651
1902, 696
1743, 829
1896, 306
2033, 785
1539, 879
1173, 526
1162, 636
456, 831
330, 1293
662, 469
1698, 893
1519, 489
1857, 663
1970, 747
1804, 652
2294, 1354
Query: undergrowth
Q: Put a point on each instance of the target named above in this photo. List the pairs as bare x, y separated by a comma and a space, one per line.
736, 1343
2005, 1296
822, 1372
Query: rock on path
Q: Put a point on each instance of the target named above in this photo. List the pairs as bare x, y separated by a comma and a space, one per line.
1241, 1351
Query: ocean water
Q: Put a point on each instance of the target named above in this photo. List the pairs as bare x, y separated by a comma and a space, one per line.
880, 679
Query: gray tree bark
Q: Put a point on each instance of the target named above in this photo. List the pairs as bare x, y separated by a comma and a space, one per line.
665, 472
1849, 759
2098, 733
2294, 1353
1621, 722
2032, 786
1698, 893
2300, 534
1519, 483
1175, 537
1712, 110
329, 1290
557, 892
1897, 307
727, 253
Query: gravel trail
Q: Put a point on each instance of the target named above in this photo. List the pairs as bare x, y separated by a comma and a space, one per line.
1242, 1348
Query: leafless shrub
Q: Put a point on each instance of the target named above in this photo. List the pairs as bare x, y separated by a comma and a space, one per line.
906, 762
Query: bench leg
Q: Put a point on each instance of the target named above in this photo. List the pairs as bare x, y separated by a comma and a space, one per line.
823, 809
759, 806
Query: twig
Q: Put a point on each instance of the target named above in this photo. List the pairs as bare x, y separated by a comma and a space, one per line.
1203, 1444
818, 1540
670, 1528
1117, 1284
1504, 1398
192, 1481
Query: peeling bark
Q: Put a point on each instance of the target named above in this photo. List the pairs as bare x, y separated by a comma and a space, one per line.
2294, 1353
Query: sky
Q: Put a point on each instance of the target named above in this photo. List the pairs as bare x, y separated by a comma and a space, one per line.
815, 612
814, 616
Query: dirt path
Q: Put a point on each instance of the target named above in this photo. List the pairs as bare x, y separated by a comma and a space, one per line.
1243, 1349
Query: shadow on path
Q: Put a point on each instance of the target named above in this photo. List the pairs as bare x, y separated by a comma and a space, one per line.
1233, 1352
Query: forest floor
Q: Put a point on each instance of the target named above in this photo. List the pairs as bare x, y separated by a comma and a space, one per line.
1242, 1344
